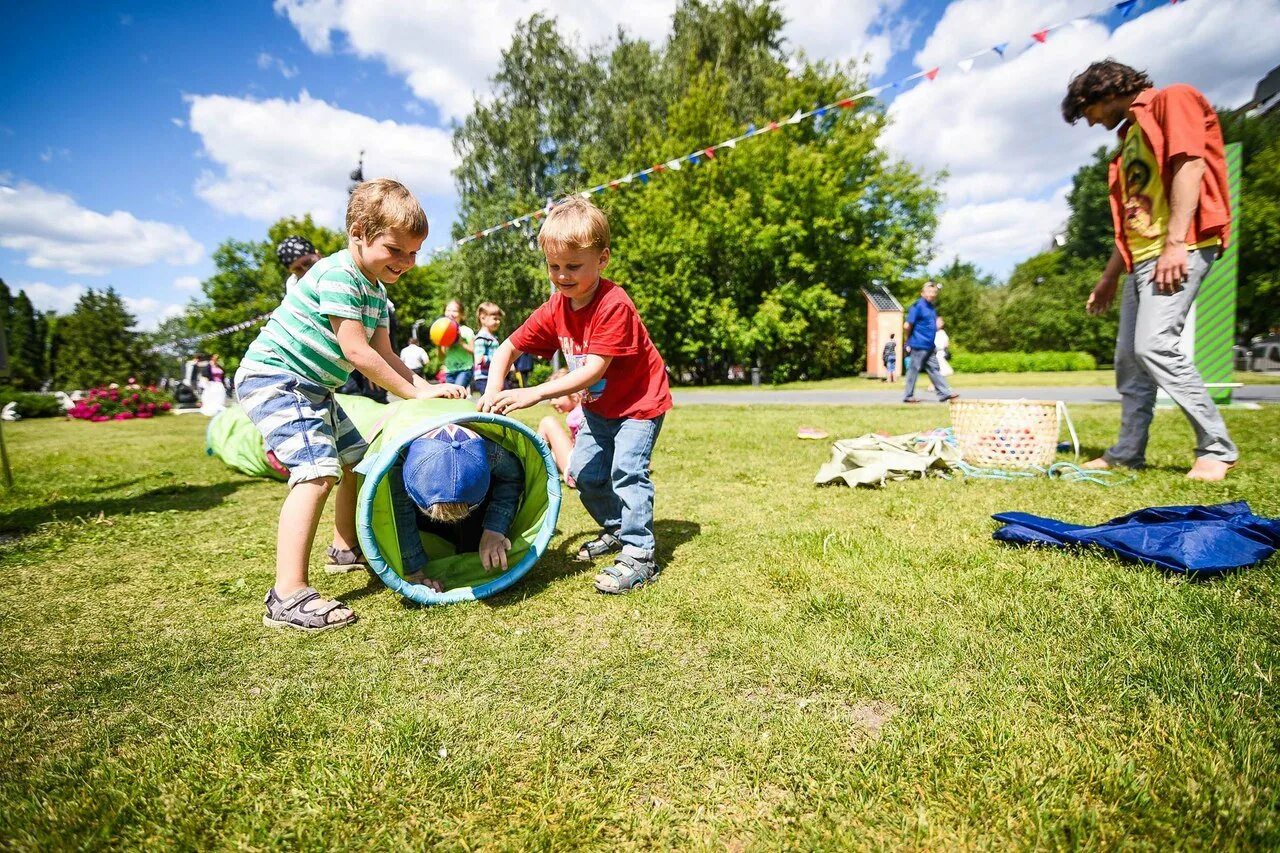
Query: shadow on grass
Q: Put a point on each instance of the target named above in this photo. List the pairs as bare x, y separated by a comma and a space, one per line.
180, 497
558, 562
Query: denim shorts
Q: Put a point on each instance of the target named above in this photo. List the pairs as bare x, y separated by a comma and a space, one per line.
302, 423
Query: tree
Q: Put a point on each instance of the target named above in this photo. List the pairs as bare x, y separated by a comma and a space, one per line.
1090, 231
1257, 219
249, 282
25, 331
759, 256
96, 344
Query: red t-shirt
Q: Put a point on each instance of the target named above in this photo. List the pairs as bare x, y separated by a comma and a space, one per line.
635, 384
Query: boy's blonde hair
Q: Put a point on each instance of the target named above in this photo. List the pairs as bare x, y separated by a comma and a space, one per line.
383, 205
449, 512
488, 308
574, 224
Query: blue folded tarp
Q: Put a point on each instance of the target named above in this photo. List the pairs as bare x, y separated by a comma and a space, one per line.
1192, 539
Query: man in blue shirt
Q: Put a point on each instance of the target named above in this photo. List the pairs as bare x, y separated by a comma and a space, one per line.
922, 326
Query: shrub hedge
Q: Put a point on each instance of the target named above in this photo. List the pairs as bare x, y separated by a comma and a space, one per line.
31, 405
1021, 362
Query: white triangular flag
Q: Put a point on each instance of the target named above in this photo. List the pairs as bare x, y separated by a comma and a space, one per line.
729, 143
797, 118
673, 165
628, 179
1080, 23
585, 194
966, 65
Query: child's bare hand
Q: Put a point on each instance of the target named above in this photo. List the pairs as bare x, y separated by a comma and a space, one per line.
512, 400
493, 550
444, 389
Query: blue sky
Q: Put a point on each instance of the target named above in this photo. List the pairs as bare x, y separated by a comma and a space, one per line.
135, 137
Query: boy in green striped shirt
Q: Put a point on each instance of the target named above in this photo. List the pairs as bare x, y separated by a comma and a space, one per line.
335, 319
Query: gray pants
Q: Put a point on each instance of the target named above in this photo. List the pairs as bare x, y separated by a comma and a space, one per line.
1149, 356
928, 359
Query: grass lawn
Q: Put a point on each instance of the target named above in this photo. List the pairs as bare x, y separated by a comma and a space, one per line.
816, 668
1041, 379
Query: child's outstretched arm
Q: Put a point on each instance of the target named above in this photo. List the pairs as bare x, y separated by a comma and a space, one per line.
498, 367
378, 365
592, 370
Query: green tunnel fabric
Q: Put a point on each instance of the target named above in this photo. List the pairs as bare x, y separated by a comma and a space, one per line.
462, 575
389, 428
233, 438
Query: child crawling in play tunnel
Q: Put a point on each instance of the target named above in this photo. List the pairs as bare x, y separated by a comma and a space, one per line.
461, 487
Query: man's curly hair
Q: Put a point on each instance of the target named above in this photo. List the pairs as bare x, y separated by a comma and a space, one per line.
1101, 80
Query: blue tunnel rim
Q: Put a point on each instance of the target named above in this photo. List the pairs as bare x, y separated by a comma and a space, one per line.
375, 471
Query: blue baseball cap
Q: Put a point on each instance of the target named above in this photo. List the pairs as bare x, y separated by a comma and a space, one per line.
447, 465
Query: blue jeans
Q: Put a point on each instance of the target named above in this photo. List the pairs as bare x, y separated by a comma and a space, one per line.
928, 359
460, 377
610, 463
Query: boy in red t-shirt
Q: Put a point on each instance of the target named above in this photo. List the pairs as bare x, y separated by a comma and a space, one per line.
623, 382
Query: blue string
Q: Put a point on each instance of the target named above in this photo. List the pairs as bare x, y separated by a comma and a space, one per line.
1066, 472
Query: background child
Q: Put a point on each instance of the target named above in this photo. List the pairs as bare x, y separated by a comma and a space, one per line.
335, 319
465, 489
624, 380
459, 358
486, 342
557, 437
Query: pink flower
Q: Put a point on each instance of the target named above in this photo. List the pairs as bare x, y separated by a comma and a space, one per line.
165, 406
97, 419
145, 415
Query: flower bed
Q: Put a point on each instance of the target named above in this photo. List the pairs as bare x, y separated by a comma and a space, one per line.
122, 404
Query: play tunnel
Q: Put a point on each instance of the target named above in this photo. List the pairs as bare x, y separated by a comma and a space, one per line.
390, 429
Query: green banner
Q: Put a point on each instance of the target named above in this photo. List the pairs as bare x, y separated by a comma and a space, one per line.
1216, 302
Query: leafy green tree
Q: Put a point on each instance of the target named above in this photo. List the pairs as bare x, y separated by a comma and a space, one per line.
1257, 219
25, 332
1090, 231
249, 282
97, 344
724, 260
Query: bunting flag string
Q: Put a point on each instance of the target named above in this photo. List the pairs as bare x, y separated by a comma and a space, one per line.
966, 64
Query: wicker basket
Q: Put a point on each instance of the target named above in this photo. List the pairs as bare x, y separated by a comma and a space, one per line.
1016, 434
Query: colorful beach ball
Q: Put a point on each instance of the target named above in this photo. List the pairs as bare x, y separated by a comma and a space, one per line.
444, 332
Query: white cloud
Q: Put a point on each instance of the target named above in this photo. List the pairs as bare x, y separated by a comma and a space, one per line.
998, 130
998, 234
51, 297
278, 157
150, 312
445, 55
464, 49
54, 232
266, 62
839, 30
186, 284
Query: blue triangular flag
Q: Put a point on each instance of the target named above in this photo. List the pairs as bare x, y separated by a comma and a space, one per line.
693, 158
1126, 6
644, 177
751, 130
1000, 48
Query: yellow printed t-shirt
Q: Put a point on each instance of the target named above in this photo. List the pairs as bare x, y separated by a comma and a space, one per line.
1146, 207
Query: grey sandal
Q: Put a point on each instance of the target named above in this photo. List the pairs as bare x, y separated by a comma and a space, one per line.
304, 610
605, 543
342, 561
626, 574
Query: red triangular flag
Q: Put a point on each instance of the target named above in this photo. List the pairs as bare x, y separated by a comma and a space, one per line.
711, 153
660, 167
1040, 36
931, 74
845, 104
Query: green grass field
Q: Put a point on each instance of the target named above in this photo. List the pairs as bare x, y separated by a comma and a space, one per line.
1041, 379
816, 668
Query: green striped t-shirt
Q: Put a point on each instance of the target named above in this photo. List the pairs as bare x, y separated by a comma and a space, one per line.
299, 339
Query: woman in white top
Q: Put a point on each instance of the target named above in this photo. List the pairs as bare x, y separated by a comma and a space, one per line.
941, 341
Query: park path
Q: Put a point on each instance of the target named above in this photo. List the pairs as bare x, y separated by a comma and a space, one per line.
1097, 394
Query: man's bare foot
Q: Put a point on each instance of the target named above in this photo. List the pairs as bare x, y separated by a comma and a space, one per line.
1099, 464
1209, 470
